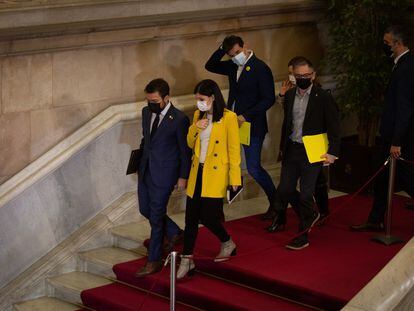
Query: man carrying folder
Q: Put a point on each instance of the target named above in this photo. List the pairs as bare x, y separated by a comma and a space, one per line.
251, 94
309, 110
165, 163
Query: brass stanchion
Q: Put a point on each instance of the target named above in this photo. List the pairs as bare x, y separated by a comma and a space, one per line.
388, 239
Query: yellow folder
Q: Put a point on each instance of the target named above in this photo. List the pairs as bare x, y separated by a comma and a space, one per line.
245, 133
316, 146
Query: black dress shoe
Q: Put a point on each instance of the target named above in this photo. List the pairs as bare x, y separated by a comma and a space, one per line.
368, 227
409, 204
150, 267
278, 223
298, 243
270, 214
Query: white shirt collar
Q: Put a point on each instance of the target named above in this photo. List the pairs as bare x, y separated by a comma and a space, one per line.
164, 111
399, 56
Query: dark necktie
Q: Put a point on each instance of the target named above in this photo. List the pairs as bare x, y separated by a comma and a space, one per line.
155, 125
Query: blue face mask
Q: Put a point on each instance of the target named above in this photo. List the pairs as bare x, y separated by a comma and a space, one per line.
239, 59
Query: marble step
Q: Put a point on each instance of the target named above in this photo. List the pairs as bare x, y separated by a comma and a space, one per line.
100, 261
131, 235
69, 286
45, 304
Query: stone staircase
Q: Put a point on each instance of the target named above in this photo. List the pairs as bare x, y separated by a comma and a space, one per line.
95, 265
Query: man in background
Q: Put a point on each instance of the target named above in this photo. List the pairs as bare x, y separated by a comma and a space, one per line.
397, 126
251, 94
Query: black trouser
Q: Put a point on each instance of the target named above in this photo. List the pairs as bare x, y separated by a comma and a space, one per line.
321, 197
404, 177
321, 193
207, 211
296, 166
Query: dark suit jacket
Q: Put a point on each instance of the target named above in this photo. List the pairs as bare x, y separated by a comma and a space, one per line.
254, 93
322, 116
167, 154
397, 122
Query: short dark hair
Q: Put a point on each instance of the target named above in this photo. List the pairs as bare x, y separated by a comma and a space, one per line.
294, 60
209, 88
301, 61
158, 85
230, 41
399, 33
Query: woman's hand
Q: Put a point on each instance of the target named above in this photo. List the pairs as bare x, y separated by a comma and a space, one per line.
202, 124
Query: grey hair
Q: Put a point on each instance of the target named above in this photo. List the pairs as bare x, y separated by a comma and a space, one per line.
399, 33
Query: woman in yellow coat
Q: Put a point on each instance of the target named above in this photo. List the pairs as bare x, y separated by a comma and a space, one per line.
215, 141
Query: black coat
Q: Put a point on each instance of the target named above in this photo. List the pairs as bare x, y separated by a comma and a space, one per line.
254, 93
397, 121
167, 154
322, 116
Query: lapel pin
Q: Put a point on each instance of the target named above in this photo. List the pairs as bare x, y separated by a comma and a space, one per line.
171, 117
248, 68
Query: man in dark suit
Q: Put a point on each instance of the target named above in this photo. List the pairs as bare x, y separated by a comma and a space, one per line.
165, 163
251, 94
309, 110
397, 125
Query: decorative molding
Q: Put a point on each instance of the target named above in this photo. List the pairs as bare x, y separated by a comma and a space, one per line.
130, 30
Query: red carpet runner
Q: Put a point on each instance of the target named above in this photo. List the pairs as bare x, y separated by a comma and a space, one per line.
325, 275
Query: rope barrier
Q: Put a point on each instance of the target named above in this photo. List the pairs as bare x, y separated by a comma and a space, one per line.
338, 209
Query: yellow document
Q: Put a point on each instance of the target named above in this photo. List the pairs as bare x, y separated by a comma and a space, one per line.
245, 133
316, 146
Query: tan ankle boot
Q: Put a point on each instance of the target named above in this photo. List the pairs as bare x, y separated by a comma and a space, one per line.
227, 249
187, 266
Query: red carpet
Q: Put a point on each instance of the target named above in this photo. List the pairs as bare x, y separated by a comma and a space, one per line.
115, 297
326, 275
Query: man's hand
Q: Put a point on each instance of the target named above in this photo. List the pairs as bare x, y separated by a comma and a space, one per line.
202, 124
181, 184
241, 119
234, 188
395, 151
286, 86
329, 158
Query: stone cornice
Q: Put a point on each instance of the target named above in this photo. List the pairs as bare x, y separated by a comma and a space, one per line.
64, 36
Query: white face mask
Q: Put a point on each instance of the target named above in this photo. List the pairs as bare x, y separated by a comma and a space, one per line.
239, 59
202, 105
292, 79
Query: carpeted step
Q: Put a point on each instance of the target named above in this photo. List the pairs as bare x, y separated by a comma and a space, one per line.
119, 297
337, 264
205, 292
44, 304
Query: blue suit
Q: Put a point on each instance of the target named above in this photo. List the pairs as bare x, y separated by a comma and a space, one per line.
252, 95
165, 158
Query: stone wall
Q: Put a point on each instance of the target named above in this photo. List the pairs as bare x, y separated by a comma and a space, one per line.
53, 83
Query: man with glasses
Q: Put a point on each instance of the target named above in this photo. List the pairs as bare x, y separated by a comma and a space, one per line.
309, 110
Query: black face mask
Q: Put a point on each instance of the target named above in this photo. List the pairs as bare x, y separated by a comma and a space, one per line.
387, 50
303, 83
154, 107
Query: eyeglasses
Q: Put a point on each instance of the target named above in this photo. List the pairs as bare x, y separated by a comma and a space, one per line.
304, 76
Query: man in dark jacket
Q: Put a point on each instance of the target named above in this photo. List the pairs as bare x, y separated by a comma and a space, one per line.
308, 110
397, 125
165, 163
251, 94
